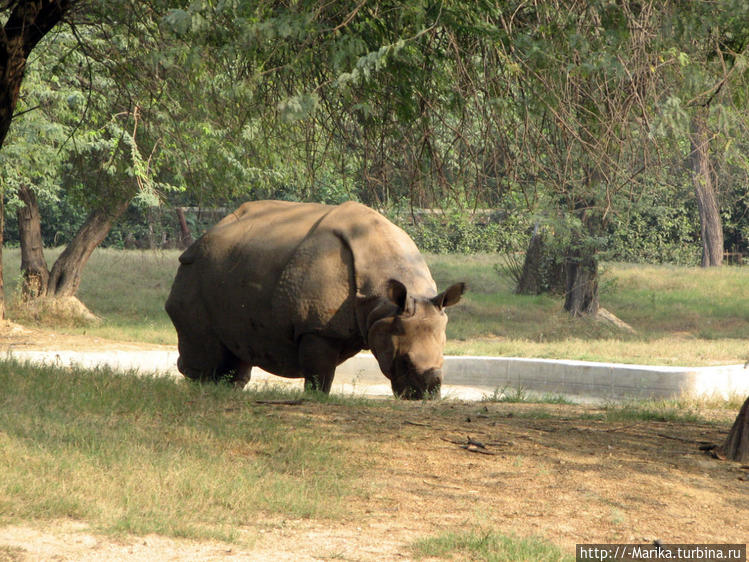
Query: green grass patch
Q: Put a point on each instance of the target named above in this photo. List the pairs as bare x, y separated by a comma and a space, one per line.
139, 454
681, 410
511, 395
489, 546
682, 315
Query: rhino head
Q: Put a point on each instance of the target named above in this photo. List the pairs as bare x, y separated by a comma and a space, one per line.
407, 336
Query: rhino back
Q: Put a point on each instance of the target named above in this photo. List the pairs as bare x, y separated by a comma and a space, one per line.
381, 251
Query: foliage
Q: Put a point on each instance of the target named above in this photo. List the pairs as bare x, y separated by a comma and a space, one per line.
658, 229
576, 114
458, 232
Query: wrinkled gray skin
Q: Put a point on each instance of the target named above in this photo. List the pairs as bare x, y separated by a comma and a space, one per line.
298, 288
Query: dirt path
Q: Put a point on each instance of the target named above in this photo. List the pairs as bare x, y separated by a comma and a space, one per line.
555, 471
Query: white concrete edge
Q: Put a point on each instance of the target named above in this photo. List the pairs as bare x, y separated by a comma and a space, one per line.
469, 377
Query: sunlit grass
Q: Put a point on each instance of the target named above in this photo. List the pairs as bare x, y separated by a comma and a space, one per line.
125, 288
677, 410
681, 315
676, 351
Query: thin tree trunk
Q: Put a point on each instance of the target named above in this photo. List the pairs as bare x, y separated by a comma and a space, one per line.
185, 235
541, 271
581, 295
580, 262
529, 282
736, 445
711, 228
65, 277
33, 265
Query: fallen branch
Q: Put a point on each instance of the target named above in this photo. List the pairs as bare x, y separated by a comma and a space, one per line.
471, 449
675, 438
281, 402
471, 445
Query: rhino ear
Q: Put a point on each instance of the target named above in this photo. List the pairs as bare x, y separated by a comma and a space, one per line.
449, 296
397, 294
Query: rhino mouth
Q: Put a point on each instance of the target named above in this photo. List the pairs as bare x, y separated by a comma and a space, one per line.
418, 386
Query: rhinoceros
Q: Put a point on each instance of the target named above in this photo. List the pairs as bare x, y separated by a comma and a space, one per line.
298, 288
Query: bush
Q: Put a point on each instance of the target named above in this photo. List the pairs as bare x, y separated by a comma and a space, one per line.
661, 228
461, 232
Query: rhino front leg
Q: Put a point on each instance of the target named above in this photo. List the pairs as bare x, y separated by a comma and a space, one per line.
318, 357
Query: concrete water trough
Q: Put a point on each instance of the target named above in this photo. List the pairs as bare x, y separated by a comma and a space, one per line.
471, 378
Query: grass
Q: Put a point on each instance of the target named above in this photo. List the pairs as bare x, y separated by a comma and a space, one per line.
682, 315
489, 546
511, 395
678, 410
125, 288
134, 454
138, 454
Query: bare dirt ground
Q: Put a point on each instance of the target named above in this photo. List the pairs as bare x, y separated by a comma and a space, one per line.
554, 471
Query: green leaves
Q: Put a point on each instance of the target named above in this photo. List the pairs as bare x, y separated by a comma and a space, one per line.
178, 21
299, 106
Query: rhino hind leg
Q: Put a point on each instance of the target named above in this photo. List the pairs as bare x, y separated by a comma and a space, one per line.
241, 374
318, 357
206, 359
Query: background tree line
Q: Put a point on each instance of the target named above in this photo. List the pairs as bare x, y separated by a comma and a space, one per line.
612, 129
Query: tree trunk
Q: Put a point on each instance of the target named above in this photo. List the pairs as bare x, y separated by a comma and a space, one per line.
581, 296
185, 235
33, 265
28, 22
541, 271
736, 445
711, 228
65, 277
529, 282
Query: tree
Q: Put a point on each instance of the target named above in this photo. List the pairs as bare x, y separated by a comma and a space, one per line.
82, 143
585, 91
28, 21
711, 229
707, 102
29, 167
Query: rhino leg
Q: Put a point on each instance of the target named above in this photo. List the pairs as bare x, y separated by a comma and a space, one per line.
318, 357
206, 359
242, 374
